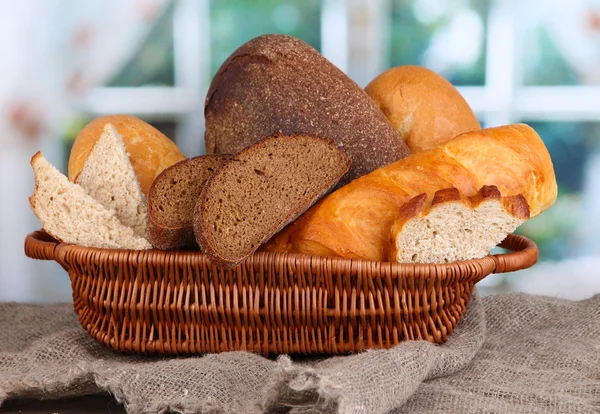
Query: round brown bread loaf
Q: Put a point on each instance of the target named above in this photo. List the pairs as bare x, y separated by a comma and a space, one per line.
149, 150
279, 84
425, 109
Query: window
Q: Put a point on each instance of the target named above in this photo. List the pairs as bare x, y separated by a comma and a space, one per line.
533, 62
168, 76
562, 231
448, 38
153, 63
234, 22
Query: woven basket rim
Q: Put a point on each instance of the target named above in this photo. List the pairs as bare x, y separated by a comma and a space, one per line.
154, 301
525, 256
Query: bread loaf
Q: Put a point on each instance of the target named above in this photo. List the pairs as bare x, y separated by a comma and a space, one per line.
355, 221
260, 190
149, 150
279, 84
172, 199
425, 109
108, 177
451, 227
72, 216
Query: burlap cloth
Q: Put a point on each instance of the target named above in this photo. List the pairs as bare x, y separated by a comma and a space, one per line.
511, 353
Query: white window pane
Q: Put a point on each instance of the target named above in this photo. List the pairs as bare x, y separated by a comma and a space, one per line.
561, 42
442, 36
234, 22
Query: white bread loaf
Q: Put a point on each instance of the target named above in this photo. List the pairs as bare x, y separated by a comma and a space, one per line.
72, 216
424, 108
108, 176
149, 150
355, 221
451, 227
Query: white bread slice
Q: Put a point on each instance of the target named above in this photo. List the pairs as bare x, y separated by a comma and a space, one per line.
108, 177
72, 216
453, 227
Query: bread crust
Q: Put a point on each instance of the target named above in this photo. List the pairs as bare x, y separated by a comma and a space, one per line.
517, 206
414, 206
150, 152
445, 195
418, 207
202, 218
165, 237
424, 108
277, 83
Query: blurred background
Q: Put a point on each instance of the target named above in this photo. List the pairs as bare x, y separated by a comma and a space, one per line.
65, 62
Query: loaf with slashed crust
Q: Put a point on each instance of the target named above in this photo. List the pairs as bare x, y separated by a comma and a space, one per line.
355, 221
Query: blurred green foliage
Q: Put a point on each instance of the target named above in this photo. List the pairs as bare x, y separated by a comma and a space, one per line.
73, 126
410, 38
152, 64
544, 65
569, 144
234, 22
554, 230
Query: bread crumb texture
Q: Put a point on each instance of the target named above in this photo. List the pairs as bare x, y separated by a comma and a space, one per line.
453, 227
69, 214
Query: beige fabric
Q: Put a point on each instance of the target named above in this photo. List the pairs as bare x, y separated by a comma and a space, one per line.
511, 353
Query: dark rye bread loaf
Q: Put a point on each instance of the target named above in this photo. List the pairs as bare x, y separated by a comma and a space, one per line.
262, 189
279, 84
172, 199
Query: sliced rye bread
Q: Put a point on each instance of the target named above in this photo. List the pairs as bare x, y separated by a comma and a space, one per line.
108, 176
172, 199
279, 84
262, 189
453, 227
72, 216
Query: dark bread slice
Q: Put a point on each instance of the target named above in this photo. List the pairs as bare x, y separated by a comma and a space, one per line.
172, 199
262, 189
279, 84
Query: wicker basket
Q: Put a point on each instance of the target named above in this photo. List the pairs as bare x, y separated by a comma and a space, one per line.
160, 302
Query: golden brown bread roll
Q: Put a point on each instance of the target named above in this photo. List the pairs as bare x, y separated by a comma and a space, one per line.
355, 221
149, 150
423, 107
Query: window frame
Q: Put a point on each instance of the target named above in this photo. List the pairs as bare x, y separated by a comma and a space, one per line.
503, 99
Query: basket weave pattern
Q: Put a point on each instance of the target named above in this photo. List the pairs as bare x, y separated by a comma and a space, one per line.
161, 302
